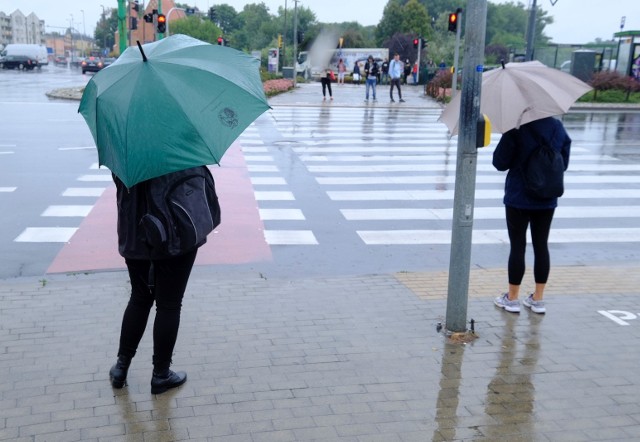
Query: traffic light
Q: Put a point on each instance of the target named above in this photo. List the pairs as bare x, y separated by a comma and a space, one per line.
148, 18
221, 41
133, 23
416, 42
453, 22
424, 43
212, 14
280, 41
136, 6
162, 24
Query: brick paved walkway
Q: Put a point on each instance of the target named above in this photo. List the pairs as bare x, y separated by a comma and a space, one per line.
334, 359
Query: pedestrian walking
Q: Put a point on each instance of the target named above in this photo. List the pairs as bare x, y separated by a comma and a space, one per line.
395, 73
371, 73
325, 80
524, 211
159, 255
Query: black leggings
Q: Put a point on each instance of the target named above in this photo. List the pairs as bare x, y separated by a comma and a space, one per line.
326, 83
517, 222
163, 281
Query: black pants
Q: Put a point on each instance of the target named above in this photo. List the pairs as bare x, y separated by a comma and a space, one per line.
326, 83
395, 82
163, 282
517, 222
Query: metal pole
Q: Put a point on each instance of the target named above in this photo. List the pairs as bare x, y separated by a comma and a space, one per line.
284, 41
456, 55
464, 196
295, 38
418, 60
531, 31
160, 34
122, 28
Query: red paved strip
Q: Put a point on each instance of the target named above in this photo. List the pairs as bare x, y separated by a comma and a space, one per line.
238, 240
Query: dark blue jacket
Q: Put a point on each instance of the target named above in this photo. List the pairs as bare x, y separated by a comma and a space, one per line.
514, 148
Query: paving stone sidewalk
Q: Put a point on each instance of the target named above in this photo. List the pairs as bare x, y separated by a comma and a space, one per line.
351, 358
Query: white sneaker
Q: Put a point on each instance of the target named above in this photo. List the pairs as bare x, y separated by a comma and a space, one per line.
535, 306
503, 301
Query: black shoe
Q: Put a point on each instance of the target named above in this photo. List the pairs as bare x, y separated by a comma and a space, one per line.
393, 101
118, 373
161, 382
401, 100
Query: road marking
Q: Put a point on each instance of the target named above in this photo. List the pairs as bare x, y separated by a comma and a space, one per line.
84, 191
67, 211
95, 178
281, 214
258, 158
290, 237
46, 234
8, 189
564, 212
426, 195
261, 168
77, 148
274, 195
451, 168
557, 236
439, 179
267, 180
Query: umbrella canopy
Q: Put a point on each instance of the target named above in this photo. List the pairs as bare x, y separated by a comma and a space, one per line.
519, 93
170, 105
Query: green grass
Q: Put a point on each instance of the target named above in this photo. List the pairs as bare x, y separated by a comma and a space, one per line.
610, 96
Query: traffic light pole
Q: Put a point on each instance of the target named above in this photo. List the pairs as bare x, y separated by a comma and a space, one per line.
160, 34
466, 168
295, 40
456, 56
531, 31
122, 26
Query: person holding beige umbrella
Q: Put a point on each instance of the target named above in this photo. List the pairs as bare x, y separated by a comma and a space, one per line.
520, 100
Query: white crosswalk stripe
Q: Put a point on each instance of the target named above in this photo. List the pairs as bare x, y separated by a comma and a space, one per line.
377, 175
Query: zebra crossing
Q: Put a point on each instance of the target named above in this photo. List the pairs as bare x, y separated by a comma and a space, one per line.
390, 175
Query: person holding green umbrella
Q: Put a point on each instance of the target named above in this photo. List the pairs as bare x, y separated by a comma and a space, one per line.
158, 116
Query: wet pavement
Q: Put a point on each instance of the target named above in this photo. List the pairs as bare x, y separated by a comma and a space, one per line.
336, 359
348, 358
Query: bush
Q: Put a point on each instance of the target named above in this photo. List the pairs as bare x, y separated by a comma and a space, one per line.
275, 87
614, 81
437, 88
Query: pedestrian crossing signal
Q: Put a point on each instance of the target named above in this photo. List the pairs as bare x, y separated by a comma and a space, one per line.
416, 42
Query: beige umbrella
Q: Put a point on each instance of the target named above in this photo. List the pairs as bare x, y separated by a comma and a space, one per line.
519, 93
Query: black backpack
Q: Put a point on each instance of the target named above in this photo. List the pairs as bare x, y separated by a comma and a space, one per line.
182, 209
543, 171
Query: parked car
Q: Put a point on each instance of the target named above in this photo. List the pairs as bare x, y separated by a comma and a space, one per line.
20, 62
107, 61
91, 64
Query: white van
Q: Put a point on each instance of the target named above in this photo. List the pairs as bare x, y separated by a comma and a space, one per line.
36, 52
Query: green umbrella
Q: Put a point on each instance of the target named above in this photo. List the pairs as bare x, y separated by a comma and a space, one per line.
171, 105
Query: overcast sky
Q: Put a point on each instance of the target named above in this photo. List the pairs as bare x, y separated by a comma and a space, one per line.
576, 21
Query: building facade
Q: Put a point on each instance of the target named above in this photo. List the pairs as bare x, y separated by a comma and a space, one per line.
19, 28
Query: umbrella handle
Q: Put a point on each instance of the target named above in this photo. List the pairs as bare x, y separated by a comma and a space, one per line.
144, 57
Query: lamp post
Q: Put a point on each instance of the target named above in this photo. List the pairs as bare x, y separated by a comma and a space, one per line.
84, 32
71, 48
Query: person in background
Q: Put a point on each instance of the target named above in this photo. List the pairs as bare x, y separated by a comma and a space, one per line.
395, 73
385, 71
342, 71
356, 73
325, 80
371, 73
524, 211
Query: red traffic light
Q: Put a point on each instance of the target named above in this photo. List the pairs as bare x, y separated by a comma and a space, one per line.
416, 42
161, 24
453, 22
162, 19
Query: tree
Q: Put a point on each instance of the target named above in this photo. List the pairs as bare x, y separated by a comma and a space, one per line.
391, 21
104, 34
196, 27
416, 19
227, 18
